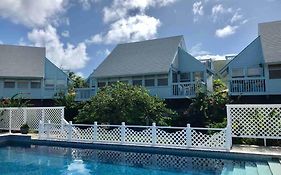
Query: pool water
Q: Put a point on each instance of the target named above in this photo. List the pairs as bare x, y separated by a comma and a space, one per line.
72, 161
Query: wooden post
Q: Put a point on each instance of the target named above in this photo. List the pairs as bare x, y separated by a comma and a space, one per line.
48, 129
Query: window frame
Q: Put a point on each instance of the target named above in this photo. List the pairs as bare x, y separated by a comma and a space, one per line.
9, 81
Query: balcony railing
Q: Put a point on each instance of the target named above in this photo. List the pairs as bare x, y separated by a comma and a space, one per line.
82, 94
247, 86
187, 89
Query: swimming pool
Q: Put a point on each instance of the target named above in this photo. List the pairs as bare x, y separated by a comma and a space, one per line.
35, 159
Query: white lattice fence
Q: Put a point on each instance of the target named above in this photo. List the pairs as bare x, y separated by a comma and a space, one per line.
186, 137
14, 118
255, 121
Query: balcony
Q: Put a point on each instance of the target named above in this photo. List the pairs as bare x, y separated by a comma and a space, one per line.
247, 86
186, 89
82, 94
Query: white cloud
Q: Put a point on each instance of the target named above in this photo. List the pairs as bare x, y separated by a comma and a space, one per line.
65, 33
135, 28
67, 57
226, 31
218, 10
87, 4
122, 8
197, 50
198, 8
213, 57
128, 22
236, 17
32, 13
81, 74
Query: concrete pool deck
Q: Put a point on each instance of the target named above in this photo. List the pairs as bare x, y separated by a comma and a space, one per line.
253, 150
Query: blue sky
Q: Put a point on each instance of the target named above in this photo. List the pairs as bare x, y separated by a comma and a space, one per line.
79, 34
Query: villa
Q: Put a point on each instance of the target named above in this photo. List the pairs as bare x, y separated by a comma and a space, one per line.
162, 65
26, 71
256, 70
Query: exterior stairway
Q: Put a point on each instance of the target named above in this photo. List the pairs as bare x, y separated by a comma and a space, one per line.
272, 167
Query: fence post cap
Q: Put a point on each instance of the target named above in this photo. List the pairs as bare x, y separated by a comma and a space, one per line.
70, 122
153, 124
188, 125
95, 123
123, 123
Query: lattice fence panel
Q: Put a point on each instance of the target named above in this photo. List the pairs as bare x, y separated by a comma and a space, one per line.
141, 137
108, 134
85, 134
33, 118
4, 118
255, 121
55, 132
29, 115
17, 118
213, 139
175, 138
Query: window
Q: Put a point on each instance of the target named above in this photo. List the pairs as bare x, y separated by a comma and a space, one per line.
237, 72
254, 72
35, 85
274, 71
22, 84
9, 84
185, 77
149, 81
101, 84
49, 84
162, 80
111, 83
137, 82
198, 76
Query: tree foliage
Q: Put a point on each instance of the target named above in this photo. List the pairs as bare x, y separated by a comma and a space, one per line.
76, 80
15, 101
208, 108
125, 103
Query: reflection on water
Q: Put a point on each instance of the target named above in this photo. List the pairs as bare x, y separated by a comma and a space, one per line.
59, 160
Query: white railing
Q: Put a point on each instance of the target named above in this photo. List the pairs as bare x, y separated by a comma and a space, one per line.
255, 121
13, 118
247, 85
82, 94
184, 137
186, 89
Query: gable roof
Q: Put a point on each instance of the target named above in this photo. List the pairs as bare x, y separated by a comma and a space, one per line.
270, 34
21, 61
137, 58
221, 71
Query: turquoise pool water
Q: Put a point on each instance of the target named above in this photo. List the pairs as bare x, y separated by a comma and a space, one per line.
39, 160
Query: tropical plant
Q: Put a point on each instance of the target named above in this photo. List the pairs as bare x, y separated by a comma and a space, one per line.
15, 101
123, 102
208, 108
77, 81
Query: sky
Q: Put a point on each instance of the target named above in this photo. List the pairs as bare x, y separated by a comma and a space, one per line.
79, 34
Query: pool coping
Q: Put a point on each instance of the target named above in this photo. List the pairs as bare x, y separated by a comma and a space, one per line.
245, 154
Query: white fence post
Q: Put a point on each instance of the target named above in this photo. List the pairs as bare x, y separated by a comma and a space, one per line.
228, 139
10, 121
228, 129
154, 134
95, 134
24, 116
69, 136
43, 115
41, 126
188, 136
123, 132
48, 129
